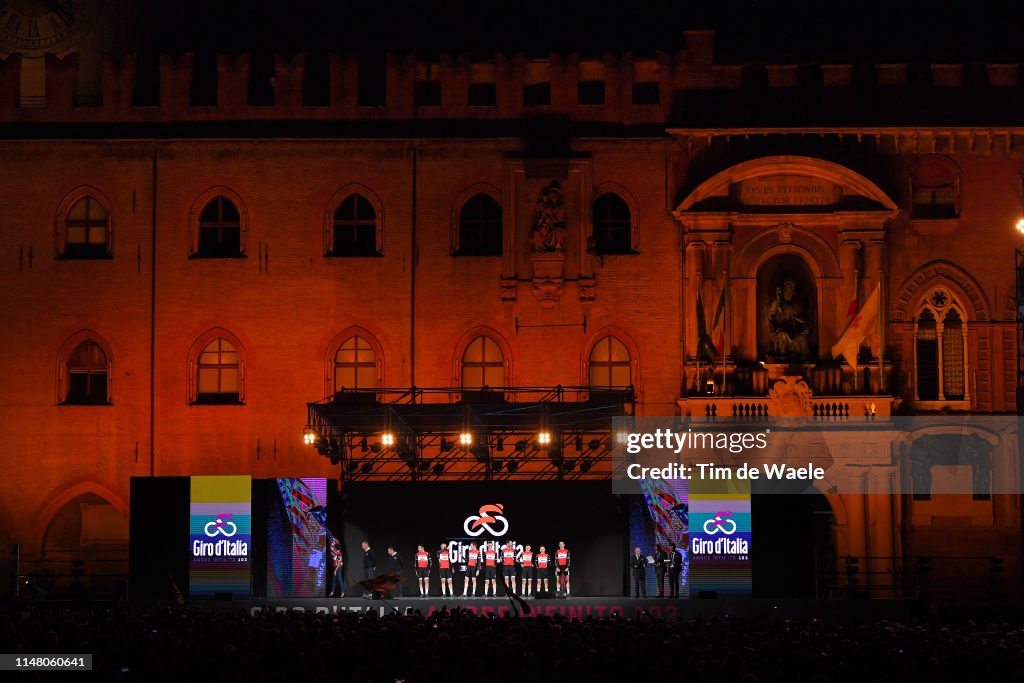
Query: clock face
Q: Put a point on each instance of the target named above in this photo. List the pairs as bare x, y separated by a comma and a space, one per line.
40, 24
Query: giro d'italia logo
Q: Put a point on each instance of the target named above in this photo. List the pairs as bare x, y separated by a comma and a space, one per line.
722, 522
489, 519
223, 526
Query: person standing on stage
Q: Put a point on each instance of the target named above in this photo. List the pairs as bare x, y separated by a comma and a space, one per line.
562, 568
338, 579
422, 562
661, 562
526, 571
472, 569
508, 565
396, 565
543, 562
444, 568
490, 567
638, 563
369, 563
675, 568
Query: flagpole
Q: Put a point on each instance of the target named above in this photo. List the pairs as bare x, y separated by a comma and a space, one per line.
881, 326
856, 295
725, 323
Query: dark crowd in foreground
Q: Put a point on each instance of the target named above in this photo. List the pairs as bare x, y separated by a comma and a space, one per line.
165, 643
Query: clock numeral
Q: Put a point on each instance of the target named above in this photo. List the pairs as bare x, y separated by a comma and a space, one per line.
13, 23
33, 28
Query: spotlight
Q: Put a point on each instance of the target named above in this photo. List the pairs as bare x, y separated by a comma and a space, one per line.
585, 466
362, 445
376, 448
496, 465
709, 387
353, 466
438, 470
512, 466
335, 459
424, 465
594, 444
367, 467
544, 438
407, 453
446, 445
522, 445
499, 445
387, 439
466, 439
308, 436
570, 465
579, 443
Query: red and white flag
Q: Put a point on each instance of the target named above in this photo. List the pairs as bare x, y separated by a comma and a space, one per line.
858, 328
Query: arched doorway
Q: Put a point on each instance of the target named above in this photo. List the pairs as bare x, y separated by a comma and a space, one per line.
84, 550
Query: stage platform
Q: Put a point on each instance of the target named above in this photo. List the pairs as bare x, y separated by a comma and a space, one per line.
585, 607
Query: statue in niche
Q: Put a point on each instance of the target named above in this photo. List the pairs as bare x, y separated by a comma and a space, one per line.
789, 325
549, 221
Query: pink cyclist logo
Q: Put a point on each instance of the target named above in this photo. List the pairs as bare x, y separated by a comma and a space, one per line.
721, 522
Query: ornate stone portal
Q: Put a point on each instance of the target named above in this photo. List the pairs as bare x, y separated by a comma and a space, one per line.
548, 254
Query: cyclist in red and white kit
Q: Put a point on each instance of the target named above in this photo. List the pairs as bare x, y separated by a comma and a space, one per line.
562, 568
421, 560
444, 567
526, 571
490, 553
472, 570
543, 562
508, 565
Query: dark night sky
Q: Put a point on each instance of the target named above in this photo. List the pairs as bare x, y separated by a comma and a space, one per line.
747, 30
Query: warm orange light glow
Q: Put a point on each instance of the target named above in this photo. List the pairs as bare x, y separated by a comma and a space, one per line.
387, 439
544, 438
308, 436
465, 439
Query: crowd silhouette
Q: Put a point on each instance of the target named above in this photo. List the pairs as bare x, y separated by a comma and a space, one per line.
164, 642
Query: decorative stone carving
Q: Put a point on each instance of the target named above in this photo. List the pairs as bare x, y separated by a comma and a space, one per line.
587, 289
509, 289
549, 246
791, 397
786, 232
549, 221
547, 277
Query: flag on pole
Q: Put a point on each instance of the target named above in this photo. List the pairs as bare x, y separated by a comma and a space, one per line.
851, 310
859, 328
706, 351
718, 328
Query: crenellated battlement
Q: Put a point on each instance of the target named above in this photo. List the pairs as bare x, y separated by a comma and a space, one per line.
685, 88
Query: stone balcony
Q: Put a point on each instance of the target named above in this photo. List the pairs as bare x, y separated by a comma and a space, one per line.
789, 396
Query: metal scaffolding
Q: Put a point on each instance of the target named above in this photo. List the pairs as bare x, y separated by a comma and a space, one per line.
526, 433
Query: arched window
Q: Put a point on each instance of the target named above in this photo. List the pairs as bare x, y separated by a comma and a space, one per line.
220, 230
483, 364
613, 225
87, 373
934, 188
86, 231
940, 342
354, 230
355, 365
218, 373
480, 227
610, 365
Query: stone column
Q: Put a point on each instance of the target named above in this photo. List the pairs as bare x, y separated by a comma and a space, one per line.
854, 500
881, 533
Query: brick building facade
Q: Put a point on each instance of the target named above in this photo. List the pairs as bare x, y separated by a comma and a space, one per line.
201, 250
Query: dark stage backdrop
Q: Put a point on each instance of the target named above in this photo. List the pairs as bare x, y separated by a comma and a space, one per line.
158, 538
586, 515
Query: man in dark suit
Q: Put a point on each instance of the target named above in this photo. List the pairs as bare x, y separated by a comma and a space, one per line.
369, 564
395, 564
660, 565
675, 568
639, 565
